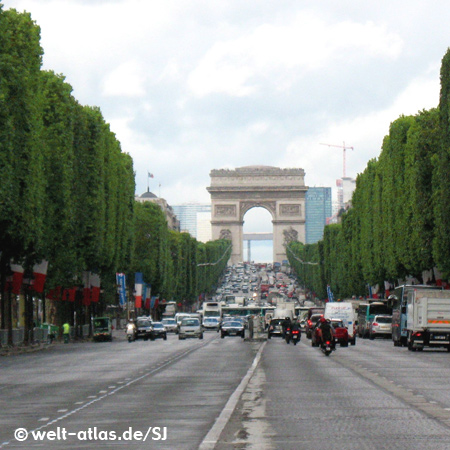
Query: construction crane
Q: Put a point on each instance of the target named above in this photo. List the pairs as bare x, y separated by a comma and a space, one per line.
344, 147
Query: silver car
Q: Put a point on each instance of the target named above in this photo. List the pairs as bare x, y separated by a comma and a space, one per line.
380, 326
170, 325
190, 327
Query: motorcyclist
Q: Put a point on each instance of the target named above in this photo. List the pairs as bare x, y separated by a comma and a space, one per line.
326, 331
296, 326
286, 324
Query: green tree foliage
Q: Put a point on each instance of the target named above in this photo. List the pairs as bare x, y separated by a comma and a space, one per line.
441, 176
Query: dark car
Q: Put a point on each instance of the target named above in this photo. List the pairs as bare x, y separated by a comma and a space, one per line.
232, 328
311, 323
143, 329
159, 332
275, 328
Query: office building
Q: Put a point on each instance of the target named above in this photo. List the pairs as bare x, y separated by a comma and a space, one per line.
318, 209
187, 215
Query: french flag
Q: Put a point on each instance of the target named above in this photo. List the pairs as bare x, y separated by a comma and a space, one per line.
138, 284
17, 278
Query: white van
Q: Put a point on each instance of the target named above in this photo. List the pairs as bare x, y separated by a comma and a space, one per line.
345, 312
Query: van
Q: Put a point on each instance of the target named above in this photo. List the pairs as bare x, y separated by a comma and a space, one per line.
345, 312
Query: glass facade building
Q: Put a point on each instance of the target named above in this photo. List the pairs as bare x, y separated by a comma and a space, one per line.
318, 209
187, 215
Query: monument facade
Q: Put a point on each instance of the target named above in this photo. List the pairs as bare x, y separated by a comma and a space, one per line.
279, 191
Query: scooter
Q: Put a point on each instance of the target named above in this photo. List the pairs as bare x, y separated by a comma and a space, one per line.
295, 336
326, 347
131, 332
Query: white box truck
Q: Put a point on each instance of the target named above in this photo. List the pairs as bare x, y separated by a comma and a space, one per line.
428, 319
345, 312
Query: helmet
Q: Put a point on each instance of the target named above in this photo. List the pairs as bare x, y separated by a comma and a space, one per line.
322, 320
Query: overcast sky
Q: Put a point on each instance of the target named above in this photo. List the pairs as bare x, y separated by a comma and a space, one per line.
194, 85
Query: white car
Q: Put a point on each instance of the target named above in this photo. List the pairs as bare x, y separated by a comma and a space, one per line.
190, 327
211, 323
170, 325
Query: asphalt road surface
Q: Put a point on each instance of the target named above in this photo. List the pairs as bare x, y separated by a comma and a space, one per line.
225, 394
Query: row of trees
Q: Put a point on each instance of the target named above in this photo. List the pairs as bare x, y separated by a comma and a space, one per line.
67, 189
399, 222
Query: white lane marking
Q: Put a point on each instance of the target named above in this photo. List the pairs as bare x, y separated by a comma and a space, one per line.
95, 400
210, 440
62, 410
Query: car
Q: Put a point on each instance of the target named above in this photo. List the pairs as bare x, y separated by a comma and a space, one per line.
311, 323
158, 331
340, 332
190, 327
275, 328
144, 328
211, 323
380, 326
232, 328
170, 325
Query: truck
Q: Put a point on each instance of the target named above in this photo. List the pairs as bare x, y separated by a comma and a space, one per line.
398, 302
428, 319
345, 312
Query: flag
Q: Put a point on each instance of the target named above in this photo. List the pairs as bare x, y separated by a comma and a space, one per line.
17, 278
138, 288
147, 296
121, 282
94, 282
330, 294
150, 175
40, 273
86, 289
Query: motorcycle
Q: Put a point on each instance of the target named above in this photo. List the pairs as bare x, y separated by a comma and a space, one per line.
326, 347
131, 332
295, 336
287, 335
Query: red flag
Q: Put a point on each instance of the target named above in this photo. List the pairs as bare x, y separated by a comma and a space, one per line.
72, 292
17, 278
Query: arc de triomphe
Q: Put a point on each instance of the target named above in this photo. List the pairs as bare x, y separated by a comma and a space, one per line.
279, 191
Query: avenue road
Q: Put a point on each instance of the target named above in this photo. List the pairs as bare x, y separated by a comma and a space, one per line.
225, 394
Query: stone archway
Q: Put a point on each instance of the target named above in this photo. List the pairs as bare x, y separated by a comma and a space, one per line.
280, 191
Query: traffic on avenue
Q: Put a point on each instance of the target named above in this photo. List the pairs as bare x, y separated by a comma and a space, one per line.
230, 376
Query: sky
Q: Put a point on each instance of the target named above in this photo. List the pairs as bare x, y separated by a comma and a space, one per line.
191, 86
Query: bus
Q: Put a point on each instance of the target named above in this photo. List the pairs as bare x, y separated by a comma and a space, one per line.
242, 311
398, 302
366, 313
212, 309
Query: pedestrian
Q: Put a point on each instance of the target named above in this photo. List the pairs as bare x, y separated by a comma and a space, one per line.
66, 331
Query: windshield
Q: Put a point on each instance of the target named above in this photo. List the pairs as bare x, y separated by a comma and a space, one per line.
158, 325
101, 323
143, 323
337, 324
234, 324
383, 319
379, 309
169, 321
190, 322
211, 320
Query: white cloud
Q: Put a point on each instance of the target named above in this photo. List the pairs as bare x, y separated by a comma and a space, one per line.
125, 80
304, 43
